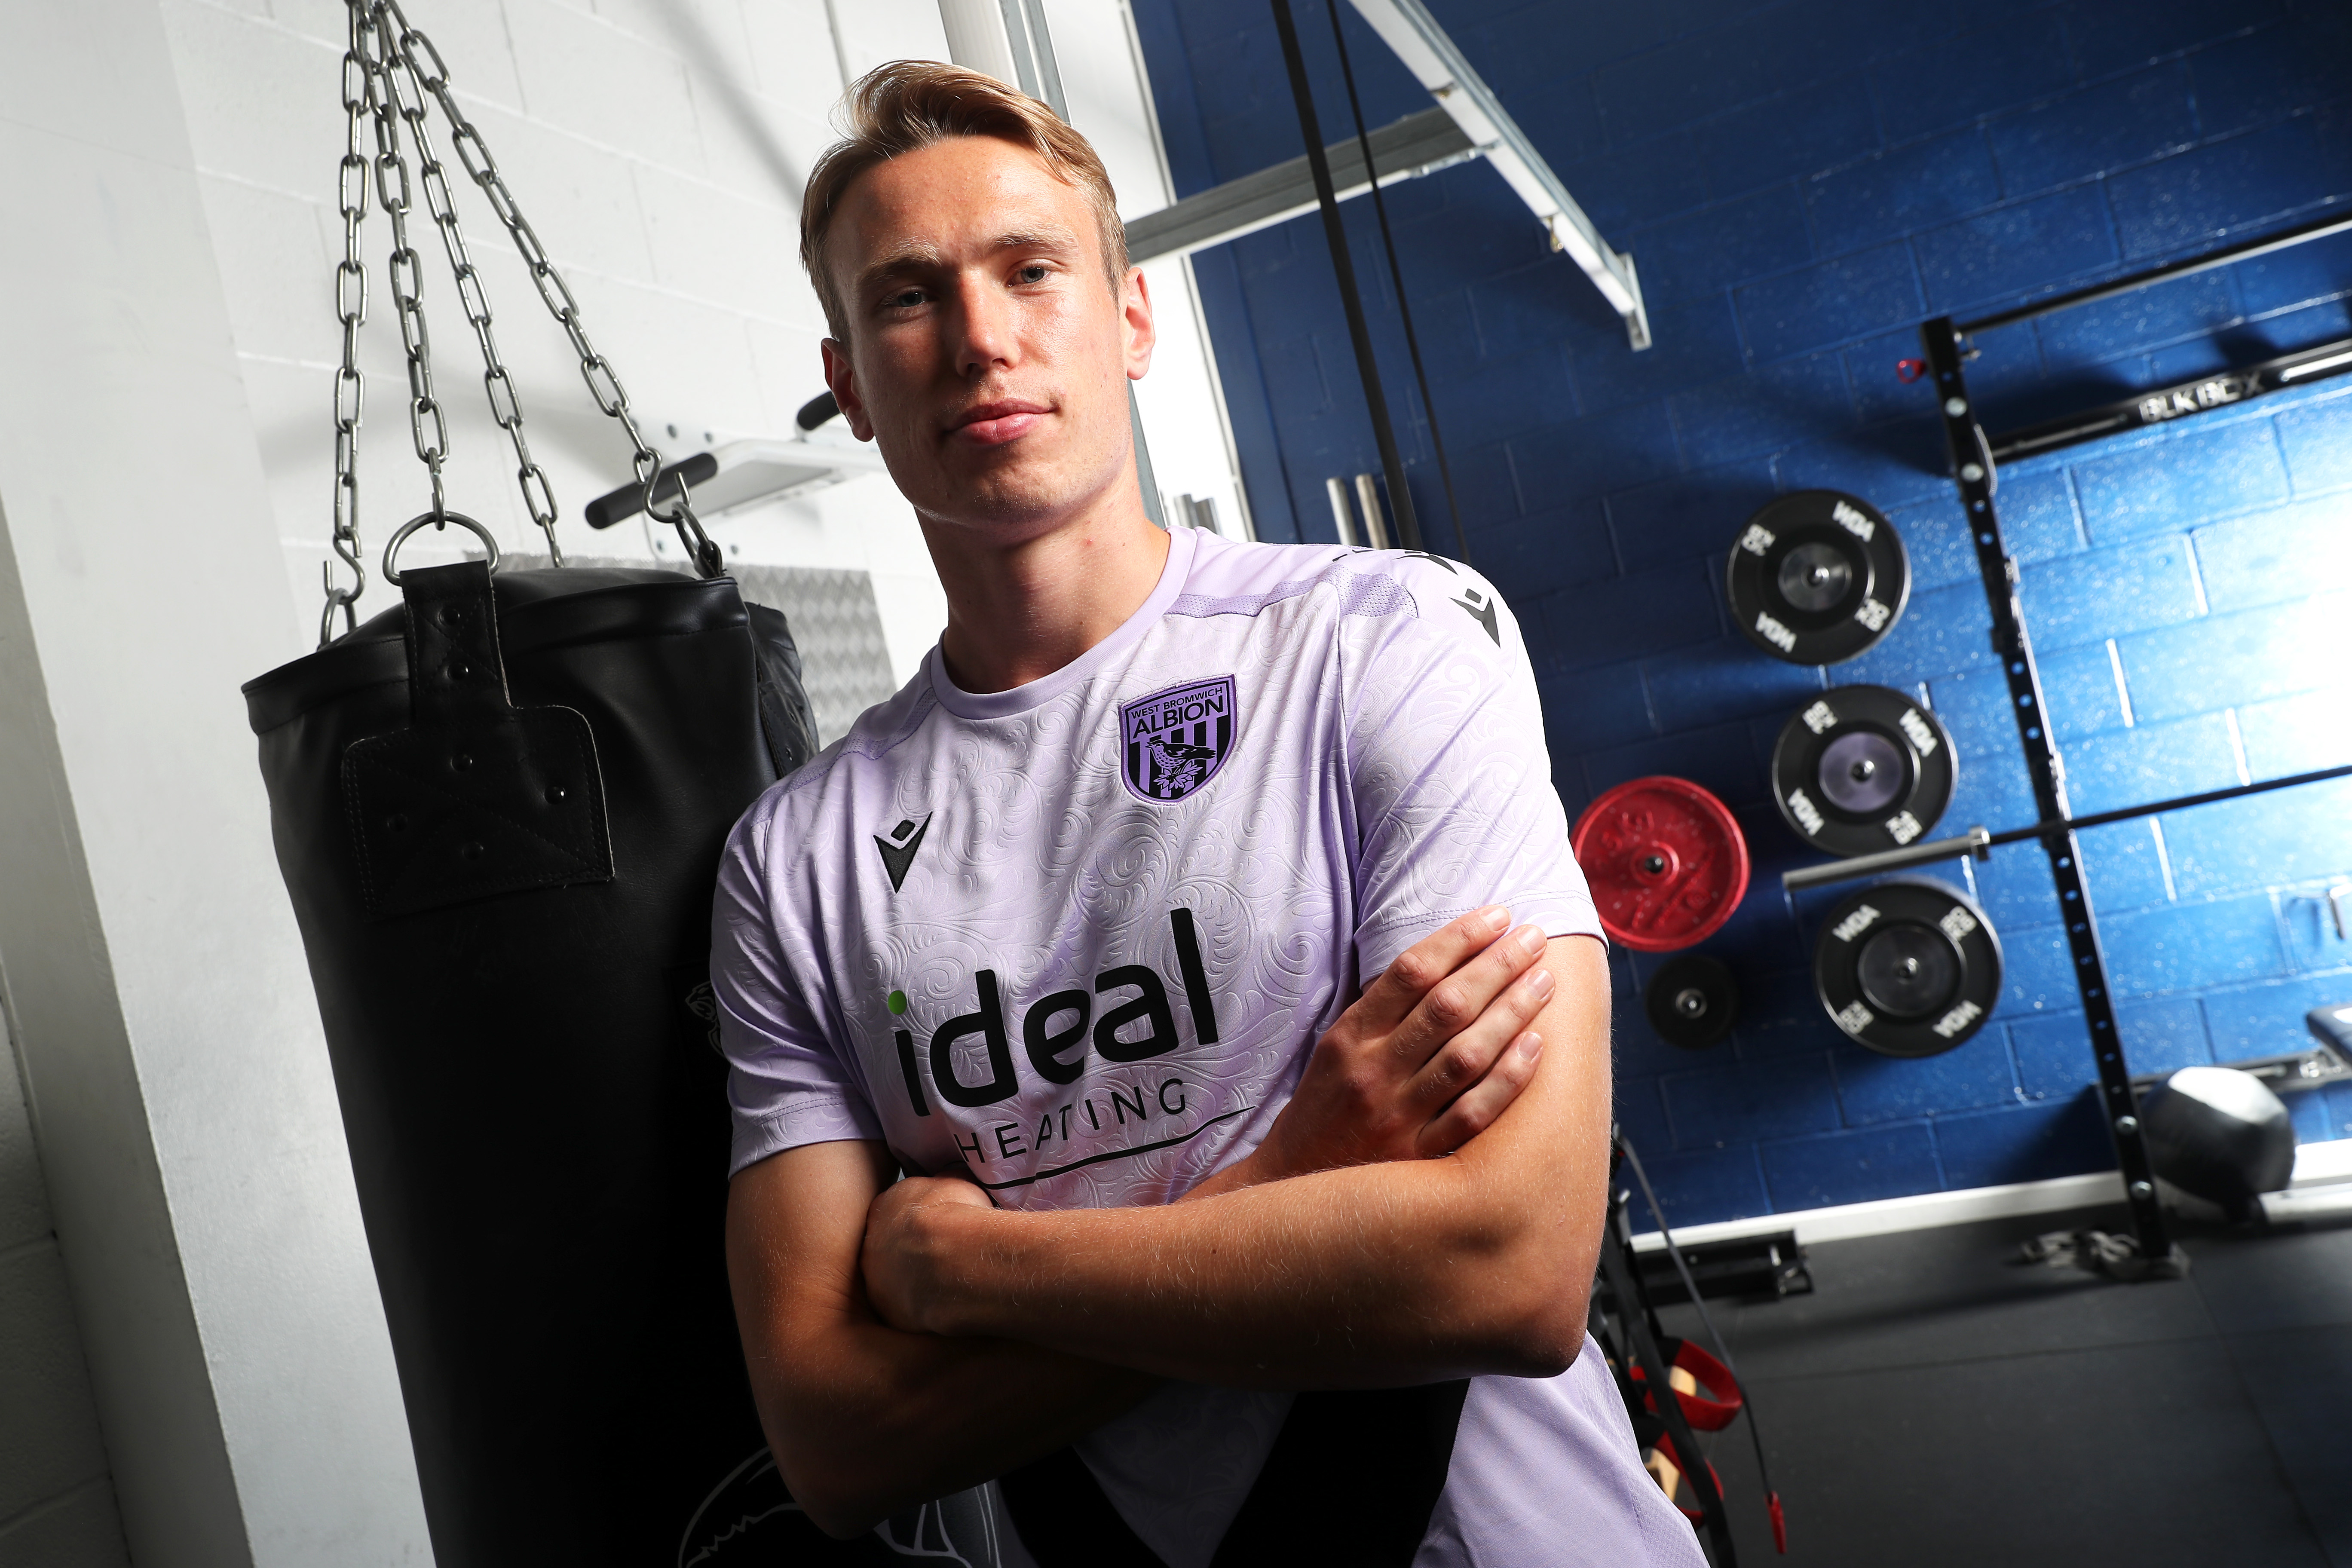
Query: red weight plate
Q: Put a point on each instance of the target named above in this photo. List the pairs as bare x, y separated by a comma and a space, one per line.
1666, 860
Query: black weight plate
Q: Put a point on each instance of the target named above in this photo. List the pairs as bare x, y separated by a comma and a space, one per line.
1909, 967
1861, 769
1692, 1001
1817, 576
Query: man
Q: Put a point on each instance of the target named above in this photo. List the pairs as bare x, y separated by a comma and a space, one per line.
1157, 931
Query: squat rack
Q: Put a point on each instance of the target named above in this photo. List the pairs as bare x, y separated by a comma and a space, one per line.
1975, 456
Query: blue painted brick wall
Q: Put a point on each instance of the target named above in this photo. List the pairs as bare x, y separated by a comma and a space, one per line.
1800, 183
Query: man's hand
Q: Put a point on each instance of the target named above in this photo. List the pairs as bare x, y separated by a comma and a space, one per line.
1423, 1061
898, 1260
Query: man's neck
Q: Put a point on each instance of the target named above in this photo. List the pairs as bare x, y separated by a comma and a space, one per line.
1018, 613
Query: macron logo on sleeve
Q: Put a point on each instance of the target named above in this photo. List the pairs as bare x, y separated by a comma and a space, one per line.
1480, 607
898, 850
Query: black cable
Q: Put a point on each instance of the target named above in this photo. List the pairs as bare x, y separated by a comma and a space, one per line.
1623, 1280
1336, 234
1722, 1350
1396, 275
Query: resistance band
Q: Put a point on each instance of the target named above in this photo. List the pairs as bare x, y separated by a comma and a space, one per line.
1336, 234
1396, 275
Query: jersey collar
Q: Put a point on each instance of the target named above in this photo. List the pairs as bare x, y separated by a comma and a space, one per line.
1182, 543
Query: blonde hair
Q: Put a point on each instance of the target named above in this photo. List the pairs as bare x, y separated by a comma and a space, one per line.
906, 106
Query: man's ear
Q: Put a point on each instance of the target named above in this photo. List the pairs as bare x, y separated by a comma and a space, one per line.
1142, 334
842, 379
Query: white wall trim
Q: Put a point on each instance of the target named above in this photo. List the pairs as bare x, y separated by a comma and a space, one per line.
2316, 1165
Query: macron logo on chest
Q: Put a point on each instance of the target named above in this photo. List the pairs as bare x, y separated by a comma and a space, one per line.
899, 848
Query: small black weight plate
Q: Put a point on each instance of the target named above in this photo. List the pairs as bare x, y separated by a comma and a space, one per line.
1909, 967
1692, 1001
1861, 769
1817, 576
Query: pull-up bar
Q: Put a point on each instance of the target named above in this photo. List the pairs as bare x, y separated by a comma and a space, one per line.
2263, 244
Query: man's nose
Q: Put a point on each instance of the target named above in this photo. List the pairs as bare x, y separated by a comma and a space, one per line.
986, 335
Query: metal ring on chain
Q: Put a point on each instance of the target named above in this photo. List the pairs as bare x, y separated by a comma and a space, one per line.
436, 520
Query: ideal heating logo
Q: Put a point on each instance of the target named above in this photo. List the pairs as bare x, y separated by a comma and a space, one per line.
1056, 1032
1055, 1029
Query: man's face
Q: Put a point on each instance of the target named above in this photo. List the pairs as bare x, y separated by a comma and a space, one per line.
987, 356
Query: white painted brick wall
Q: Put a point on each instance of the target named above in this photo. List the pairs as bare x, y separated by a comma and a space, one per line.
658, 148
56, 1506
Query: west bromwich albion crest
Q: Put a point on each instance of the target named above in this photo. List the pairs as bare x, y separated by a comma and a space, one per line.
1172, 742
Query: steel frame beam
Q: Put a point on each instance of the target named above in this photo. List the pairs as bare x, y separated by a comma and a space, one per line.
1408, 29
1418, 144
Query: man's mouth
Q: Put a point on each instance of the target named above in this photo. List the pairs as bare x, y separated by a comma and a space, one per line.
994, 424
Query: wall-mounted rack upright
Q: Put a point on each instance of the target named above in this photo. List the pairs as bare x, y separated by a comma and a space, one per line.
1974, 458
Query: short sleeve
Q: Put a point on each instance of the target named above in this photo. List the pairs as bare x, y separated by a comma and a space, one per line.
1452, 783
786, 1086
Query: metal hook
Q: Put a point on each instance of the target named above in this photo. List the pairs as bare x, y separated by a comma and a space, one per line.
704, 554
337, 598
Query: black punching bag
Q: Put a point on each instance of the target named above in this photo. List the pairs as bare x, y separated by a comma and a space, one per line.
500, 809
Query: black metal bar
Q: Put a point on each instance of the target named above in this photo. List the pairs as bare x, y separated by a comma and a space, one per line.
1335, 234
672, 482
1404, 308
2179, 803
1977, 841
1965, 438
2318, 228
2165, 405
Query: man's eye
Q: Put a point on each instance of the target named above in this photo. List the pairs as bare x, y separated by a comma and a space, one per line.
905, 298
1035, 272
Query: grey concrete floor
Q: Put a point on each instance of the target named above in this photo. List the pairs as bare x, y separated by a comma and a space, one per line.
1934, 1403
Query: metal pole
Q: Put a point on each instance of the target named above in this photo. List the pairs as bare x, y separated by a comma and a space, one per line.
1972, 471
1977, 841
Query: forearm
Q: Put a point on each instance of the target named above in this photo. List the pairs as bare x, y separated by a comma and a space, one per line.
863, 1419
1364, 1276
868, 1420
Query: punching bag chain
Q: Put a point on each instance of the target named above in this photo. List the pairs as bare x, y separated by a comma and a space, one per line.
408, 89
405, 271
350, 308
417, 56
391, 76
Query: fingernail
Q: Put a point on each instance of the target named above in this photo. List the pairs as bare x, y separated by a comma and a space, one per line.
1491, 918
1530, 1046
1540, 983
1531, 939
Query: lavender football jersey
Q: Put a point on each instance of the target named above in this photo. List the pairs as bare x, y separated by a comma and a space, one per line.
1077, 940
